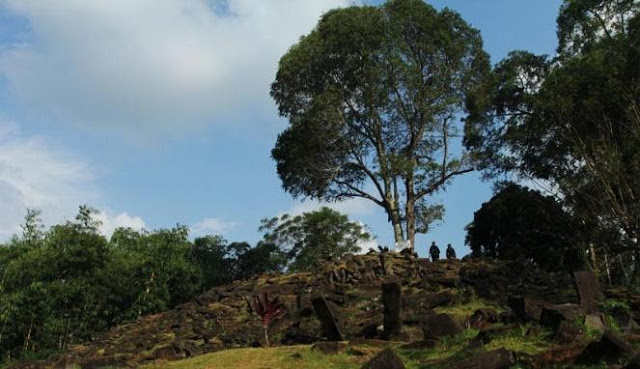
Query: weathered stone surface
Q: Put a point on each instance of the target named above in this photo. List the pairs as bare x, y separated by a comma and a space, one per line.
385, 359
595, 322
634, 363
589, 290
167, 353
496, 359
481, 318
569, 332
218, 319
330, 348
327, 318
441, 325
610, 349
392, 302
437, 299
526, 308
552, 316
558, 355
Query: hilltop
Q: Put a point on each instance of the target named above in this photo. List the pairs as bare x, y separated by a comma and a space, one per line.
449, 309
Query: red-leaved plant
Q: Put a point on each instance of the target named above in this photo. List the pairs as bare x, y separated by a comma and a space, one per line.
268, 310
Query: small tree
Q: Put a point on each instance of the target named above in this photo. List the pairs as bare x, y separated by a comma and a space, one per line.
268, 310
314, 237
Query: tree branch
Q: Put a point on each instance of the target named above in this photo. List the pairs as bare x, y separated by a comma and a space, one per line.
434, 186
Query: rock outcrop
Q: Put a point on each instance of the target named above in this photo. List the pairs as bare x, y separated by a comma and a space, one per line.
344, 301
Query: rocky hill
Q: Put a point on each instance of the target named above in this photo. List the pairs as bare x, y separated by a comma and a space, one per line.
354, 299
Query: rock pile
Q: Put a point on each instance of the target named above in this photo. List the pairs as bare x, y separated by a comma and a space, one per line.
372, 296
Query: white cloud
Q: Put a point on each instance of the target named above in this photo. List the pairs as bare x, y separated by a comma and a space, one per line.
152, 65
212, 226
36, 174
110, 221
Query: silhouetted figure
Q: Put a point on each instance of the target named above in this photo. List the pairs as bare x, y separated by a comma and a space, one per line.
434, 251
451, 253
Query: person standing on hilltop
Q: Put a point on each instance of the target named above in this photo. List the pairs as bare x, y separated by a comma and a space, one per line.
434, 251
451, 253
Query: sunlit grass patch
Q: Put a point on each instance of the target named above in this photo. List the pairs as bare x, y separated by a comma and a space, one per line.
467, 309
294, 357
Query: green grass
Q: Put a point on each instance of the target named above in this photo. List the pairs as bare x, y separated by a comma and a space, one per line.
267, 358
467, 309
445, 348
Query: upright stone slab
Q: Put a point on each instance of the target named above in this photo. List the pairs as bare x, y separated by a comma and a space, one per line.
589, 291
392, 302
327, 319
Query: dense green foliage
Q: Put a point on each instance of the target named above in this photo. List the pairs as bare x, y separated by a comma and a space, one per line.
69, 283
315, 237
521, 223
573, 122
373, 96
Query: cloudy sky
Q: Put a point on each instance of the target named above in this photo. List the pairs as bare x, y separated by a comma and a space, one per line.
158, 112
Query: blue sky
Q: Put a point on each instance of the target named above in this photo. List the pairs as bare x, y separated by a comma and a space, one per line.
157, 112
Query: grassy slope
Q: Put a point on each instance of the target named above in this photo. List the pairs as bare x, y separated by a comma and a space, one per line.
263, 358
301, 357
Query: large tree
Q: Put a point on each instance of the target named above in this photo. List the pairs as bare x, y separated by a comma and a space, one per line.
573, 121
373, 96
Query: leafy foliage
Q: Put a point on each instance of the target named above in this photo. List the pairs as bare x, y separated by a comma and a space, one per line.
69, 283
268, 310
314, 237
521, 223
573, 121
373, 96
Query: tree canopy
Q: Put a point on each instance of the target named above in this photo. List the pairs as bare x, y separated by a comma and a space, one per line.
314, 237
572, 121
521, 223
373, 96
65, 285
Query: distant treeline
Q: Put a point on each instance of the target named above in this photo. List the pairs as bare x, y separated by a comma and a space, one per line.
69, 283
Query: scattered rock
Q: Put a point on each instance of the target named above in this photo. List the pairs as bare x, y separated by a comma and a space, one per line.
568, 332
526, 308
610, 349
634, 363
558, 355
552, 316
386, 359
496, 359
441, 325
483, 317
595, 322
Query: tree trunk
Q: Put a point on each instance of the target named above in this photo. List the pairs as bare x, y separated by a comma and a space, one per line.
266, 335
396, 221
411, 223
398, 234
28, 338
